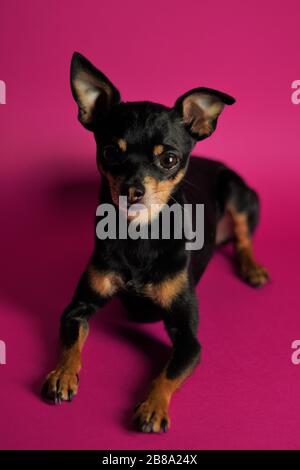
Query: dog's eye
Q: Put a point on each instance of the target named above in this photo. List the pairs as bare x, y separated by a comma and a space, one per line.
111, 153
168, 161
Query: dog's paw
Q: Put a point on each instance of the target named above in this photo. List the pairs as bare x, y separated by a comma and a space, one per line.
60, 385
254, 274
152, 416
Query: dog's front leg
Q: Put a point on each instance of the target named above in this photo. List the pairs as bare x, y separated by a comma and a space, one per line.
93, 291
181, 319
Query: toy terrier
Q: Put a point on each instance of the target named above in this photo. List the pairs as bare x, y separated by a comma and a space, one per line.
143, 153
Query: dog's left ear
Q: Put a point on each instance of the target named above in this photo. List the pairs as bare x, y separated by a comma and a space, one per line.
200, 109
92, 90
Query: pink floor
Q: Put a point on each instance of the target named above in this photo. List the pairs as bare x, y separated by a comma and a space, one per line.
245, 394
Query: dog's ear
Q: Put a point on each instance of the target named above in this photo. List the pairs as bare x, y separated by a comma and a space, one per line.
200, 109
92, 90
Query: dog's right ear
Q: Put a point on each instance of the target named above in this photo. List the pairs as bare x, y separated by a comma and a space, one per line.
92, 90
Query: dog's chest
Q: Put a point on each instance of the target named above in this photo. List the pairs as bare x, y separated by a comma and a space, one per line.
149, 264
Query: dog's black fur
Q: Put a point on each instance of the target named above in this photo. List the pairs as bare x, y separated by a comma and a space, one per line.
155, 278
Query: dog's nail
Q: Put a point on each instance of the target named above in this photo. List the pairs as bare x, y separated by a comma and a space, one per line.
58, 398
164, 425
147, 427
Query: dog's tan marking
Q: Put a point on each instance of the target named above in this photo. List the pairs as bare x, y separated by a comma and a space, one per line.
70, 358
250, 270
241, 230
158, 150
63, 381
160, 191
104, 283
122, 144
165, 292
152, 414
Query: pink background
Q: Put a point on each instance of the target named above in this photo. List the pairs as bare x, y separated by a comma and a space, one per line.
246, 392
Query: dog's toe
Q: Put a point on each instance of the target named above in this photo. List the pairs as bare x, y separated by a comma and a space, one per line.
151, 417
255, 275
60, 385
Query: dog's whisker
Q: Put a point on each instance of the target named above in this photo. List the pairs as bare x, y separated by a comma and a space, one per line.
189, 183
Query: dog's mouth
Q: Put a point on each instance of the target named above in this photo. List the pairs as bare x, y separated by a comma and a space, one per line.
141, 211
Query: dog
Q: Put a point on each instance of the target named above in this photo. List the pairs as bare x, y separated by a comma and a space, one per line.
144, 153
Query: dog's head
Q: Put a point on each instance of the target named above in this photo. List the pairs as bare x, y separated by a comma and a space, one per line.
142, 147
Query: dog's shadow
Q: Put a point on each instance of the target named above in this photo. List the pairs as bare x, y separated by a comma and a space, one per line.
47, 246
155, 352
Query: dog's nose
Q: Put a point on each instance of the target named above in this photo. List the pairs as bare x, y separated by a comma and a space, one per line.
134, 193
137, 194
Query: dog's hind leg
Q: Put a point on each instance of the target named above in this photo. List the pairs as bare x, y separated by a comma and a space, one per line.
241, 206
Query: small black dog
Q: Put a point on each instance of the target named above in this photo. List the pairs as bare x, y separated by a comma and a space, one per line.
143, 152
